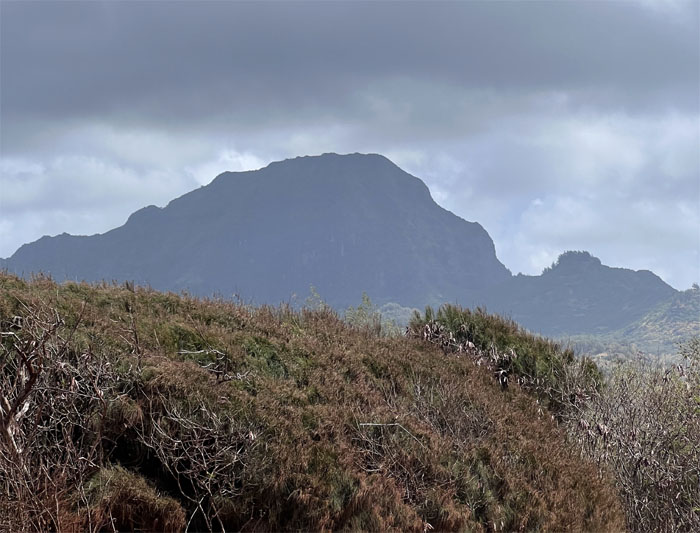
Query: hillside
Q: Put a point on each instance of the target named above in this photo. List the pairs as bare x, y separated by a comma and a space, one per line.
153, 411
638, 421
669, 323
344, 224
578, 295
655, 336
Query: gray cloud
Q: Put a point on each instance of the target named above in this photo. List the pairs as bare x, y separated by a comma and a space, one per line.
66, 59
523, 116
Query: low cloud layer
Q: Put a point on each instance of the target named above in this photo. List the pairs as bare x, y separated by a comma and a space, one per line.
556, 126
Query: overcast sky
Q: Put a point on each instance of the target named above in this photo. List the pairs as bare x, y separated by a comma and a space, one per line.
557, 126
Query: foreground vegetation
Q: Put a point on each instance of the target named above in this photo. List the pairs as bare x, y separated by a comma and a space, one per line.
641, 422
126, 409
645, 427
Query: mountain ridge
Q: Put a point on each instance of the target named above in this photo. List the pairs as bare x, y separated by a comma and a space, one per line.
578, 287
340, 216
344, 224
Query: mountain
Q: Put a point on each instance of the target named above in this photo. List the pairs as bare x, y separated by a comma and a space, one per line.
342, 223
577, 295
667, 324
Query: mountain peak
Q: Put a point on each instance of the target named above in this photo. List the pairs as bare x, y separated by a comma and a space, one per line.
342, 223
579, 294
575, 259
332, 160
143, 215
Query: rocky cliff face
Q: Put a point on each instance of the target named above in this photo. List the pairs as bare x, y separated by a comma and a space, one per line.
342, 223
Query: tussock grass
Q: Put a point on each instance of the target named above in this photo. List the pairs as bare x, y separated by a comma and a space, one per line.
124, 501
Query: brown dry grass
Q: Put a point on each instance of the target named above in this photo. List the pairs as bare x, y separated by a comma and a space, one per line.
124, 501
300, 422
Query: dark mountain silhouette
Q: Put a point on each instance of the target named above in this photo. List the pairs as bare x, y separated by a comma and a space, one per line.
342, 223
578, 294
345, 224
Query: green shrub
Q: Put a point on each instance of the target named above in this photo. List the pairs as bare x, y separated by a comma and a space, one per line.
560, 380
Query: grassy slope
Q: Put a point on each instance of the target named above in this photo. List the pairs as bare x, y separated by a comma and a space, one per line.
283, 432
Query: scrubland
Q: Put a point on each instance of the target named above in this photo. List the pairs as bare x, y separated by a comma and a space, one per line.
127, 409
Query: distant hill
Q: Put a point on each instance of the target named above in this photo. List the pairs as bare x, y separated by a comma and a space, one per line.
577, 295
656, 335
342, 223
668, 323
345, 224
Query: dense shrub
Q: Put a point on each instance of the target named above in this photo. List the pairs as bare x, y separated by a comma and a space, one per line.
559, 380
641, 421
644, 425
